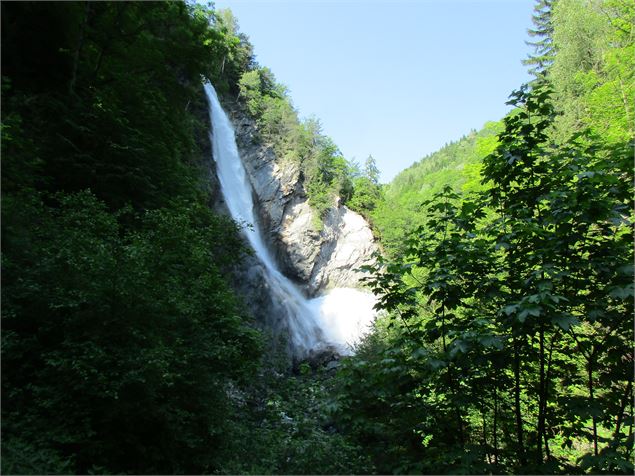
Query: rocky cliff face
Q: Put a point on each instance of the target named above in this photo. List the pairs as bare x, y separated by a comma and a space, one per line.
316, 259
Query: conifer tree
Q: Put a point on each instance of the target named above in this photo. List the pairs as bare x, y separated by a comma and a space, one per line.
543, 54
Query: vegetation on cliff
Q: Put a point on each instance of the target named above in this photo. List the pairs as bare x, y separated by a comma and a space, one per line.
328, 178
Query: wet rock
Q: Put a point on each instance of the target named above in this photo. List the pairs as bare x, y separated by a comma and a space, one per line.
332, 365
322, 358
316, 259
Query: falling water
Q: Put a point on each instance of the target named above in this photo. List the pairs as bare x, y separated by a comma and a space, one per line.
338, 318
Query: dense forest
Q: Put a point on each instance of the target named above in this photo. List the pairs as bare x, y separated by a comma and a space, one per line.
504, 341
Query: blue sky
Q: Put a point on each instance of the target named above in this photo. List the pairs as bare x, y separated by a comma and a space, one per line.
395, 79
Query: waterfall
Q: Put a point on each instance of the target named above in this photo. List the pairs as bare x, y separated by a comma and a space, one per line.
336, 319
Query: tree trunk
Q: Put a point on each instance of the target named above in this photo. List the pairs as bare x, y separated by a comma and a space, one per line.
547, 381
495, 423
541, 394
592, 401
517, 409
453, 384
484, 420
620, 415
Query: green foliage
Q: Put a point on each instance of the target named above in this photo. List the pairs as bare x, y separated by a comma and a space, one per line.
285, 426
94, 128
457, 164
509, 317
326, 174
367, 192
118, 344
235, 48
120, 335
543, 55
593, 72
328, 177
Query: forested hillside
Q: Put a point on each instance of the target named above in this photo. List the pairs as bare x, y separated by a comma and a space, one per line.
457, 164
590, 81
504, 342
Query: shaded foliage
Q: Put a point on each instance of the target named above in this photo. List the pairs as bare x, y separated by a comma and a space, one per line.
117, 345
285, 425
120, 335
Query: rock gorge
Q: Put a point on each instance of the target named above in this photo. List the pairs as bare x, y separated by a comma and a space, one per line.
317, 255
316, 259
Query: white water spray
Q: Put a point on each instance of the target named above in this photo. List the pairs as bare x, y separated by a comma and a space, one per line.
340, 317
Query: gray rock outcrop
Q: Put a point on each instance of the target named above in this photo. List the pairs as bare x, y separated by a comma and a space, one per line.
316, 259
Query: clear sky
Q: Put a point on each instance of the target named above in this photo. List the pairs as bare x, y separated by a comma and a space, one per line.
395, 79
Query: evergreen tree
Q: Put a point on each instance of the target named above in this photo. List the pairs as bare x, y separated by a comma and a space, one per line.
543, 54
367, 190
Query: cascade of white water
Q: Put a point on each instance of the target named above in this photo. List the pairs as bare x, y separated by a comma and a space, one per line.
338, 318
